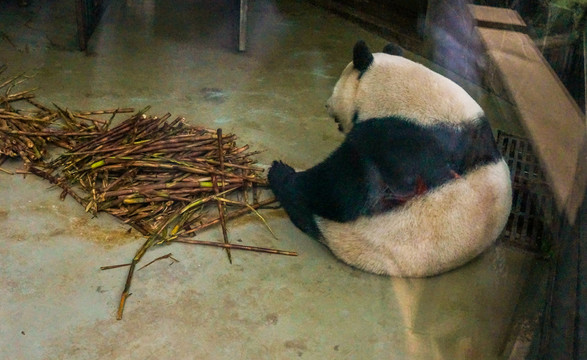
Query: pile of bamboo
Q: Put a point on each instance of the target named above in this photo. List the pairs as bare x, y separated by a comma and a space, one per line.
147, 169
18, 128
156, 175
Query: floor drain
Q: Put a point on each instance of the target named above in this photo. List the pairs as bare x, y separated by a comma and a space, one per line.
533, 220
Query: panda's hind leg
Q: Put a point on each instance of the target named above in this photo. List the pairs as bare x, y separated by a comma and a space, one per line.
282, 180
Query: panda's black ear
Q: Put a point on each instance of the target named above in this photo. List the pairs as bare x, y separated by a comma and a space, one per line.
393, 49
362, 57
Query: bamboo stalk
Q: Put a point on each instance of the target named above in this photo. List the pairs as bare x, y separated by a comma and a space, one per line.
10, 80
216, 191
47, 133
110, 267
236, 246
168, 256
125, 292
188, 187
111, 111
229, 215
52, 179
9, 115
39, 106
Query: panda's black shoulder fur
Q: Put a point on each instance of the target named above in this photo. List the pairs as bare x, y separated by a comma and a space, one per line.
381, 164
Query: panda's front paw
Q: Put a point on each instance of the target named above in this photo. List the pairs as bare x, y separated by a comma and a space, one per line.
279, 173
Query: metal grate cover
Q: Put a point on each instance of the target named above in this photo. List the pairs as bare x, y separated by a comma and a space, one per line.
533, 219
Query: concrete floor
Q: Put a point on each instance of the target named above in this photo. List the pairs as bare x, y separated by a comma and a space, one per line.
57, 304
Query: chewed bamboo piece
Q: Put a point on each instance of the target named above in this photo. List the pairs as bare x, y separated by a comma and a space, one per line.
160, 176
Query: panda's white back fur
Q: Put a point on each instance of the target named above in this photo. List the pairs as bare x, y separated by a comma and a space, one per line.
430, 234
413, 91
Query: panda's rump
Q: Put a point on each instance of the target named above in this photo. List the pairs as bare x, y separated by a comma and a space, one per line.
431, 233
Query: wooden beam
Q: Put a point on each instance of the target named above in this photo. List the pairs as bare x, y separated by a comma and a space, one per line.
550, 116
497, 18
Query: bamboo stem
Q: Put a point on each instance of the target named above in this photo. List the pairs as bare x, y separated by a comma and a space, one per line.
216, 191
52, 179
49, 133
110, 267
111, 111
236, 246
229, 215
168, 256
125, 292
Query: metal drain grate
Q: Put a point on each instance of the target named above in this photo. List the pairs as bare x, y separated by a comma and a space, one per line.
533, 220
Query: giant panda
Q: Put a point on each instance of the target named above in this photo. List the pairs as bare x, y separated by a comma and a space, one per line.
418, 186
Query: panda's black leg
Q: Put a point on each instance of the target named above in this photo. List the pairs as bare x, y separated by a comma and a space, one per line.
279, 174
282, 179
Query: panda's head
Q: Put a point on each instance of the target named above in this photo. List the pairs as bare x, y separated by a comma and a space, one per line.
386, 84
